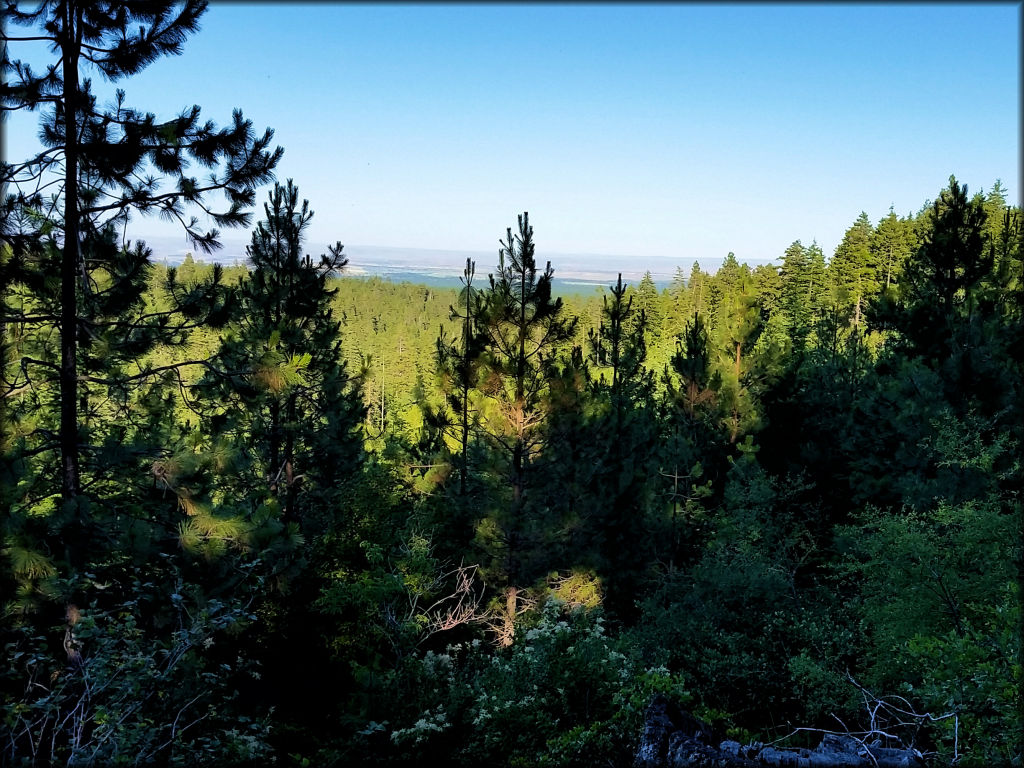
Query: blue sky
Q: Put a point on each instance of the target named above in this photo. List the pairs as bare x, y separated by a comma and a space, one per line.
680, 131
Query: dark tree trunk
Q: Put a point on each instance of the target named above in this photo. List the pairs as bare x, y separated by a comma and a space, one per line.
70, 263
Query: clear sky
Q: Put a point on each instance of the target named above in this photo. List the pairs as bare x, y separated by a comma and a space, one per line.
682, 131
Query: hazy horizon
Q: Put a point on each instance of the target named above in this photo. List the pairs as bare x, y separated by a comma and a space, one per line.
384, 261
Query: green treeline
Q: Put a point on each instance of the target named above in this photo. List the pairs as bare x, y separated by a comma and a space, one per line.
271, 513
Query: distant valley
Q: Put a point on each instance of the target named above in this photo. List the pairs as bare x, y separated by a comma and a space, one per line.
574, 272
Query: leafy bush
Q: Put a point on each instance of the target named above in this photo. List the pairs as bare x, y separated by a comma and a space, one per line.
941, 619
129, 696
564, 693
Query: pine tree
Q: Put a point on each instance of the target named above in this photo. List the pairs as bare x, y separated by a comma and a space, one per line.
730, 273
94, 517
112, 160
680, 304
796, 292
564, 495
816, 279
942, 277
995, 208
520, 326
740, 326
689, 437
692, 365
698, 287
279, 390
715, 299
890, 246
767, 281
1008, 297
624, 437
619, 343
853, 271
648, 304
1008, 267
457, 363
103, 362
951, 310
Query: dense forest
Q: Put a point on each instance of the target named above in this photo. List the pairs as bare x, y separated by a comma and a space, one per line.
273, 513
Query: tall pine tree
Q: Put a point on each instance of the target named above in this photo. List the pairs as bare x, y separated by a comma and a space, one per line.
521, 326
853, 271
624, 436
114, 161
278, 391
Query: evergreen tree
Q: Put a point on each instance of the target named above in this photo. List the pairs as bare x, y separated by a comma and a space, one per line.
803, 289
741, 324
797, 291
715, 299
282, 396
106, 158
680, 304
92, 515
457, 363
619, 345
767, 281
648, 304
942, 278
692, 365
1009, 308
724, 285
698, 287
689, 441
853, 271
995, 208
624, 436
564, 500
891, 246
90, 341
730, 273
520, 325
1008, 267
816, 279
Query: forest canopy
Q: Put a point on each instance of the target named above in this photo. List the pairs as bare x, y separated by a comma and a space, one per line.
273, 512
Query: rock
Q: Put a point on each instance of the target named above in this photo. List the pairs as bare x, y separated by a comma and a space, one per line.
658, 724
730, 748
673, 738
686, 752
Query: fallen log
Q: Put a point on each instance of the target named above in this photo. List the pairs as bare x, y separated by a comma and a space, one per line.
673, 738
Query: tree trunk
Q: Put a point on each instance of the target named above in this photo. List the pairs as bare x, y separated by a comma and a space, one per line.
465, 442
70, 262
518, 459
467, 343
291, 486
734, 431
274, 446
509, 619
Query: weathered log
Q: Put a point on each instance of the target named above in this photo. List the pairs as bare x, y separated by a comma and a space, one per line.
673, 738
